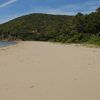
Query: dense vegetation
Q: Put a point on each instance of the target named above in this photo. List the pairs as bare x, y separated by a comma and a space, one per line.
59, 28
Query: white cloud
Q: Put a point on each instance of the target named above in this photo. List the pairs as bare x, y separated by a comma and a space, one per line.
7, 3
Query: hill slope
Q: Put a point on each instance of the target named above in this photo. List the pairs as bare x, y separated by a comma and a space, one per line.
60, 28
34, 24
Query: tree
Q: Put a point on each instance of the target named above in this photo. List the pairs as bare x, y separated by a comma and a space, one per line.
79, 22
98, 9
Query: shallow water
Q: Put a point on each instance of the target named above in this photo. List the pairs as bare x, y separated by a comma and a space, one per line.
6, 43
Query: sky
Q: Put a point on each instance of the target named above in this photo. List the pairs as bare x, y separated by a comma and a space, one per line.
10, 9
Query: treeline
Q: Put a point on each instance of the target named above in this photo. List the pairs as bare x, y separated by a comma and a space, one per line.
59, 28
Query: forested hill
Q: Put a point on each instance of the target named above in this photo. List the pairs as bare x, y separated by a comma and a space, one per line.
60, 28
34, 26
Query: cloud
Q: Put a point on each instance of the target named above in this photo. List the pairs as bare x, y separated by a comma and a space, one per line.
7, 3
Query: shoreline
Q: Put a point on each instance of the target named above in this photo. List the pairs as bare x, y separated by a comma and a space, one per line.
88, 45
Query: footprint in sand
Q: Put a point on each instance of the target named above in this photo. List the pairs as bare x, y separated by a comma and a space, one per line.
32, 86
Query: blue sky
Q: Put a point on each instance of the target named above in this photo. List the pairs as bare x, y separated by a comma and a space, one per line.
10, 9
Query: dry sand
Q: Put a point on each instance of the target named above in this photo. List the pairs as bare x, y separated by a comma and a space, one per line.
47, 71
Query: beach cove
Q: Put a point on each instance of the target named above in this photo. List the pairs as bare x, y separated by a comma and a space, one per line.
49, 71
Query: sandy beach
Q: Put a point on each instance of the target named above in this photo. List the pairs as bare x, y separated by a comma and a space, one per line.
49, 71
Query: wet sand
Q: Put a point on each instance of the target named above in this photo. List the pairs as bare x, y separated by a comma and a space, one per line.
47, 71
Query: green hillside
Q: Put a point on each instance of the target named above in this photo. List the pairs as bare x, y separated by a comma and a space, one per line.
59, 28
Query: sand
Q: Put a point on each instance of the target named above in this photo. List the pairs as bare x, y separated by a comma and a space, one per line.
48, 71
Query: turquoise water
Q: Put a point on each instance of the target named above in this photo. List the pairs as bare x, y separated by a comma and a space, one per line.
5, 43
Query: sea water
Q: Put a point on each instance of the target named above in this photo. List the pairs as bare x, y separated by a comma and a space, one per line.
6, 43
